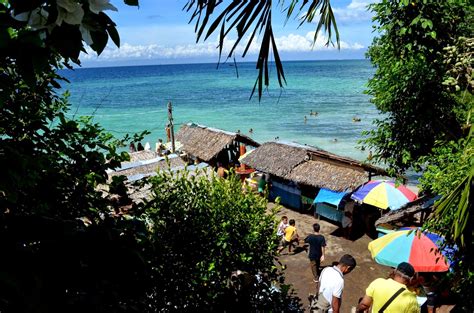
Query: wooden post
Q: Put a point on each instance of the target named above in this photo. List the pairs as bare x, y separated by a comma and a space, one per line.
170, 118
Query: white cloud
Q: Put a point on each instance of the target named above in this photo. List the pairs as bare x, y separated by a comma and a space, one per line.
288, 43
356, 11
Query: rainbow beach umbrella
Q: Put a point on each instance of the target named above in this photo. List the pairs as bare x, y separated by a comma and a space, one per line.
384, 194
419, 248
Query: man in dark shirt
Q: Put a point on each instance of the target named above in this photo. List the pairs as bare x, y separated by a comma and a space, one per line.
317, 244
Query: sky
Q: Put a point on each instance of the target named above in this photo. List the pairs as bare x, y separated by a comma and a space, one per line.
158, 32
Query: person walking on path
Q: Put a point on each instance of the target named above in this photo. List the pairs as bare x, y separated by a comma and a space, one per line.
282, 226
317, 247
332, 285
391, 295
291, 236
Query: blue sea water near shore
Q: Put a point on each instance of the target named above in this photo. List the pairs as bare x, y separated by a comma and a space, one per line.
132, 99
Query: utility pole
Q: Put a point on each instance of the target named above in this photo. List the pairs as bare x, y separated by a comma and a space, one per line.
170, 118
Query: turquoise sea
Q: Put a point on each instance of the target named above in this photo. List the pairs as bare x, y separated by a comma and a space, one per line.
132, 99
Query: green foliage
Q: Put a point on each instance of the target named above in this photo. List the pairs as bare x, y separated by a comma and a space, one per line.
459, 59
200, 245
52, 168
423, 87
449, 168
67, 245
204, 230
449, 172
36, 32
408, 84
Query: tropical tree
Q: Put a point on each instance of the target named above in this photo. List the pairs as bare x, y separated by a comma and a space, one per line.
408, 84
449, 172
214, 247
66, 246
423, 87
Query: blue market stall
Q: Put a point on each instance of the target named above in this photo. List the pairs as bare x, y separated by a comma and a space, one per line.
327, 203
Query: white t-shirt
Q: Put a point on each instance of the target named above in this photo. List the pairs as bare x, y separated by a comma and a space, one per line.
281, 229
331, 283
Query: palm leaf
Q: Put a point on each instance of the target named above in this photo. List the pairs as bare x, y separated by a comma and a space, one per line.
458, 202
252, 17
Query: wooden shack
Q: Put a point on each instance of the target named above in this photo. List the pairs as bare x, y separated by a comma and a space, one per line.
212, 145
299, 172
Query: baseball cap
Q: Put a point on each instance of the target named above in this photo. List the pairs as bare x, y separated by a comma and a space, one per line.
406, 269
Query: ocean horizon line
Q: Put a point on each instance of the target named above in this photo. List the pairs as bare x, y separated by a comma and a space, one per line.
88, 66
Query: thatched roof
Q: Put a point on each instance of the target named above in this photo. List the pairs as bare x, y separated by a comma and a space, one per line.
407, 211
275, 158
323, 174
205, 142
319, 154
310, 166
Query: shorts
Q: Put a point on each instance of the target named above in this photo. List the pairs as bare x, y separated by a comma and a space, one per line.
284, 243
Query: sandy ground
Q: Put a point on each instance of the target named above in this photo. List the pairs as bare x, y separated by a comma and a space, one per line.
298, 272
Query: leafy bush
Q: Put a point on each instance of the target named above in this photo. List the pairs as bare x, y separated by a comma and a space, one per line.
204, 231
408, 86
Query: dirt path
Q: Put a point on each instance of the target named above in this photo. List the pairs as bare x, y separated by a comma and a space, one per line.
298, 272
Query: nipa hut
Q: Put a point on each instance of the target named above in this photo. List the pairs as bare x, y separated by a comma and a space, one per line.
324, 174
212, 145
275, 158
311, 166
299, 172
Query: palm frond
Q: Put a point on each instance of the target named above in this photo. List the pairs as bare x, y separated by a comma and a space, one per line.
459, 201
250, 18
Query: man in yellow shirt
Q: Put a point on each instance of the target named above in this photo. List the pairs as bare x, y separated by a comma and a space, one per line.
291, 236
391, 295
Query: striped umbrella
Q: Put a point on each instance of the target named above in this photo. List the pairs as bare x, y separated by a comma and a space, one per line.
384, 194
419, 248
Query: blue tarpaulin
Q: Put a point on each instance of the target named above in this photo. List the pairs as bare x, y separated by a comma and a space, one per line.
329, 196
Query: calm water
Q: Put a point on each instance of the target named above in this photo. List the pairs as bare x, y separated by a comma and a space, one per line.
132, 99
